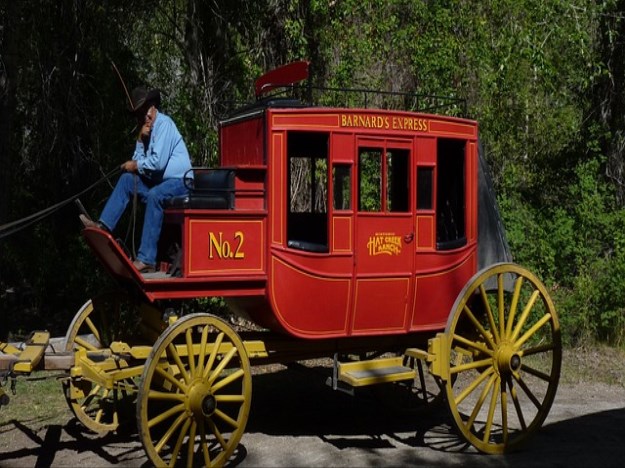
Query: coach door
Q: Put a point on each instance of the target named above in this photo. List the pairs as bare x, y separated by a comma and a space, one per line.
384, 235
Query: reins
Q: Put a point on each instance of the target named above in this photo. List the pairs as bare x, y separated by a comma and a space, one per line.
20, 224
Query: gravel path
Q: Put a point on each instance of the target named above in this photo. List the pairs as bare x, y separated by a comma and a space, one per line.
297, 421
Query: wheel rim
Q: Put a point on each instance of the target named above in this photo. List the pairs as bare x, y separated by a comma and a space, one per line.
504, 341
93, 328
195, 394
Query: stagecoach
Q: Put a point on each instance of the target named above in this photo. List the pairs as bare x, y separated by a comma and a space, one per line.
367, 235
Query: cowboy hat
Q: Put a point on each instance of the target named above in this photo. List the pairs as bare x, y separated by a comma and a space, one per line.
141, 96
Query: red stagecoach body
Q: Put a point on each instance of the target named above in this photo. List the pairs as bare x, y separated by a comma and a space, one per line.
325, 222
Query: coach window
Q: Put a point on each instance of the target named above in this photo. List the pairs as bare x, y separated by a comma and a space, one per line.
383, 172
397, 198
342, 186
307, 217
370, 180
424, 187
450, 197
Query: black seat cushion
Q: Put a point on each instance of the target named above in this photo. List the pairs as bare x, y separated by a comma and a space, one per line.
208, 189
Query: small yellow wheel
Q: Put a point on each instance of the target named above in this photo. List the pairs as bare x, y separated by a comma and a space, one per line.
503, 340
94, 327
195, 394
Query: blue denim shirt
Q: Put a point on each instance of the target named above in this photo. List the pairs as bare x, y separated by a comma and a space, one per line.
166, 156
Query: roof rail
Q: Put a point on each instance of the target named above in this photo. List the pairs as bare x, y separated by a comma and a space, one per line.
282, 86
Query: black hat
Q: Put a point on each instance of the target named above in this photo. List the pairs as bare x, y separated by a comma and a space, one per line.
141, 96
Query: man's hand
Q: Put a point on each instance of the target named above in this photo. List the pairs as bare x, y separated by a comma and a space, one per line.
148, 122
145, 131
129, 166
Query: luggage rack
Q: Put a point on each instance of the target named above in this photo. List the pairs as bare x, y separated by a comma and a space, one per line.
286, 90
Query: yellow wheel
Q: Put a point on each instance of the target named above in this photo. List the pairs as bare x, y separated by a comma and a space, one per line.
195, 394
99, 322
503, 338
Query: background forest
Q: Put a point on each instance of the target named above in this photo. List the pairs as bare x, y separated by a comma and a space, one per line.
545, 80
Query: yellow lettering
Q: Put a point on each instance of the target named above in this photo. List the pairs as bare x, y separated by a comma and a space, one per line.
384, 244
238, 253
214, 243
222, 249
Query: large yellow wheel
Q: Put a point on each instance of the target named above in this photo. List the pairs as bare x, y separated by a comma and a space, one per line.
503, 340
195, 394
99, 322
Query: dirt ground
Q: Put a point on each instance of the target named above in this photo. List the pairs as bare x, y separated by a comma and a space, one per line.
296, 420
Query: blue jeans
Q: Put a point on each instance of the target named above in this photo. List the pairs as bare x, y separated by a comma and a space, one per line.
150, 193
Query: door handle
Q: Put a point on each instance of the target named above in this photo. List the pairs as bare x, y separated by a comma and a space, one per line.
408, 238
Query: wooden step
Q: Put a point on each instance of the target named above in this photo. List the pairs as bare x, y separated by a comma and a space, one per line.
375, 371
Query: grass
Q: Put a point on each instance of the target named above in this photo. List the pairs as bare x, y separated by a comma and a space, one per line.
593, 363
39, 399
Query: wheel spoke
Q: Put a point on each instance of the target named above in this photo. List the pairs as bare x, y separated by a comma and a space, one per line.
534, 328
480, 400
525, 314
166, 415
489, 315
165, 396
536, 373
98, 416
85, 344
226, 418
179, 441
172, 352
222, 365
471, 365
473, 385
190, 353
517, 404
227, 380
538, 349
217, 433
504, 411
527, 391
518, 284
170, 431
472, 344
230, 398
213, 355
491, 413
191, 444
204, 444
170, 378
89, 398
479, 326
500, 304
201, 357
94, 329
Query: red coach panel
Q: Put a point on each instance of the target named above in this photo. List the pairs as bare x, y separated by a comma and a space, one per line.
225, 247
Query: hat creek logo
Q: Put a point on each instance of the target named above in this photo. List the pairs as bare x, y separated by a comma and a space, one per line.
384, 243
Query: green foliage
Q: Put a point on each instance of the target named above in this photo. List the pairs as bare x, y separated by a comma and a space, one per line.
545, 81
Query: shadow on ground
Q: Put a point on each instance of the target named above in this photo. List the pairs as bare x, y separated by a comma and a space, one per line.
294, 403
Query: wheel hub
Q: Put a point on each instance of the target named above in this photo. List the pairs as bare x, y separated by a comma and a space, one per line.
200, 401
507, 360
